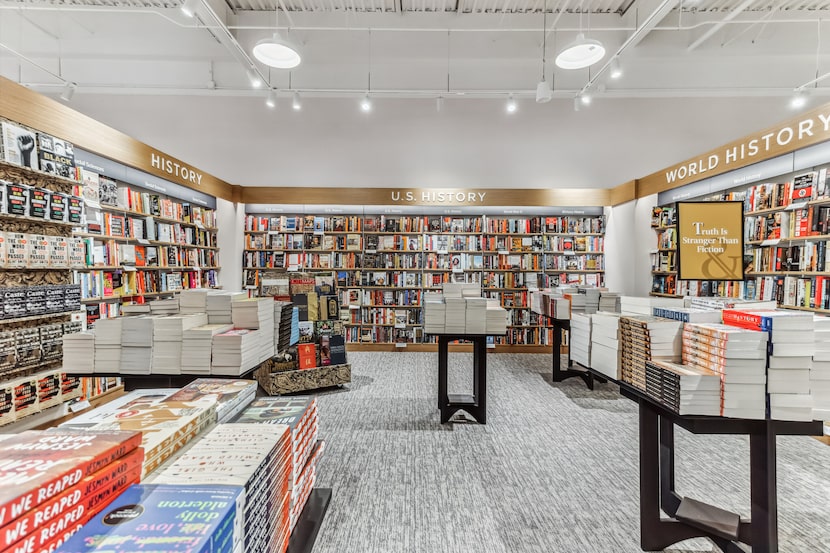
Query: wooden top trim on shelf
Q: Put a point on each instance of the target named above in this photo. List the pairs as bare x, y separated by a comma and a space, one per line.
765, 141
27, 107
777, 241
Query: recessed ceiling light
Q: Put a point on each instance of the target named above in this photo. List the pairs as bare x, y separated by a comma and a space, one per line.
277, 52
582, 52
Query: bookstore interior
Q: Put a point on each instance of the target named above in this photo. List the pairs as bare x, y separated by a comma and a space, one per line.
170, 340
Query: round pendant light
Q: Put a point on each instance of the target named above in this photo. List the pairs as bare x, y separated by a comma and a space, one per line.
581, 53
277, 52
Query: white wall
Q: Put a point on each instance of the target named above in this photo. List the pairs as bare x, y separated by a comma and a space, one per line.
643, 240
619, 247
231, 222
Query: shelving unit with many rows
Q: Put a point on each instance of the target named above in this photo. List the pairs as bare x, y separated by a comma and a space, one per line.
786, 231
38, 301
141, 242
386, 259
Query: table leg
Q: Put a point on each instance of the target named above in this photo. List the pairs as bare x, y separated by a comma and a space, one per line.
443, 360
764, 492
480, 377
669, 500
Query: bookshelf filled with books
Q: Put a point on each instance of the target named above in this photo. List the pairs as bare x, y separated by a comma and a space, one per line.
141, 242
39, 303
386, 259
786, 232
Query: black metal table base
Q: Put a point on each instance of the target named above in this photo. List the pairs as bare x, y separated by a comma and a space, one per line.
692, 518
476, 403
559, 374
305, 531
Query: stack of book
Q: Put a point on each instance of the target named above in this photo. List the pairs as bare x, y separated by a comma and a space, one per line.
197, 345
76, 357
295, 326
605, 344
300, 414
282, 325
232, 396
820, 370
791, 345
145, 516
455, 316
168, 337
106, 411
609, 301
688, 314
579, 302
254, 459
55, 481
108, 345
550, 304
476, 315
253, 313
165, 426
137, 345
236, 352
637, 305
703, 302
580, 339
434, 313
738, 356
219, 305
168, 306
644, 339
496, 318
305, 484
193, 300
132, 309
684, 389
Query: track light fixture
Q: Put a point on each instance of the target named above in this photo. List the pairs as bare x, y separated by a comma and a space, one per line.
585, 98
577, 103
439, 103
254, 77
615, 70
511, 105
543, 89
366, 103
296, 103
189, 7
68, 91
271, 99
799, 99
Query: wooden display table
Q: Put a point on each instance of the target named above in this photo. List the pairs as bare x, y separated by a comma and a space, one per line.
692, 518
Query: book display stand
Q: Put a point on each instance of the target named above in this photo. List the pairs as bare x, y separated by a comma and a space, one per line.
476, 403
692, 518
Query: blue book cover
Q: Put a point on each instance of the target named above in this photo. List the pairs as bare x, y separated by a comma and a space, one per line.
187, 519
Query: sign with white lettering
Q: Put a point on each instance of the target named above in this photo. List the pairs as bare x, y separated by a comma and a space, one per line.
710, 241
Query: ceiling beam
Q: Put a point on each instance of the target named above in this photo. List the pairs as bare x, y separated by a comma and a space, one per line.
658, 11
719, 25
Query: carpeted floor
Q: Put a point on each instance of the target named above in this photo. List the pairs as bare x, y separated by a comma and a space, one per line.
555, 470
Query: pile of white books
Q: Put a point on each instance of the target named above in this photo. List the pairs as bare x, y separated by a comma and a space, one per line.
168, 336
820, 370
605, 344
164, 307
197, 344
455, 316
642, 305
434, 313
253, 313
193, 300
550, 304
476, 315
684, 389
704, 302
792, 343
108, 345
496, 318
219, 305
609, 301
76, 349
237, 351
739, 357
131, 309
137, 345
580, 339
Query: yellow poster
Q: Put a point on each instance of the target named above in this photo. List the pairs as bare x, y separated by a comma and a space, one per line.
710, 240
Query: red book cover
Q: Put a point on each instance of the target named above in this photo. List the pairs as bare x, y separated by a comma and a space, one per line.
35, 466
741, 319
307, 355
93, 492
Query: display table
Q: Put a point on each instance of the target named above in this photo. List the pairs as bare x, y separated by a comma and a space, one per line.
692, 518
560, 374
475, 404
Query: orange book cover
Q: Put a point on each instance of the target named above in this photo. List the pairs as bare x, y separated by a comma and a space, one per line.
307, 354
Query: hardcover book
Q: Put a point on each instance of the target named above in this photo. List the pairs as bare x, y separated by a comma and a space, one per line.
38, 465
107, 191
183, 518
57, 206
91, 184
17, 247
74, 209
17, 199
39, 203
307, 356
56, 156
19, 145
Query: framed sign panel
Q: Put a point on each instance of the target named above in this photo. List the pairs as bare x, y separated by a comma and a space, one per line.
710, 241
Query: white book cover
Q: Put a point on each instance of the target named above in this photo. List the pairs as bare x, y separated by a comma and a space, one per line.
77, 252
91, 186
18, 250
58, 251
19, 145
4, 252
38, 251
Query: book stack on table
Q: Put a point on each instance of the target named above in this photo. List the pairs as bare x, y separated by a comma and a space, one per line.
580, 339
644, 339
820, 370
55, 481
137, 345
686, 390
219, 305
193, 300
605, 344
108, 345
168, 336
76, 348
197, 347
232, 396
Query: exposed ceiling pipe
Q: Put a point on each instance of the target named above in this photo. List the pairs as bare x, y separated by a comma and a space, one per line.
717, 27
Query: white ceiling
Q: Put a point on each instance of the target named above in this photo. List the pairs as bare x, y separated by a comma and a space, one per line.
698, 73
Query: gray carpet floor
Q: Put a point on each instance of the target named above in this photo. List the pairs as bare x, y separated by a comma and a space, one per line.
555, 469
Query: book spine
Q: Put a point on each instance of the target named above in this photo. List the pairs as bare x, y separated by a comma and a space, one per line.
87, 492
